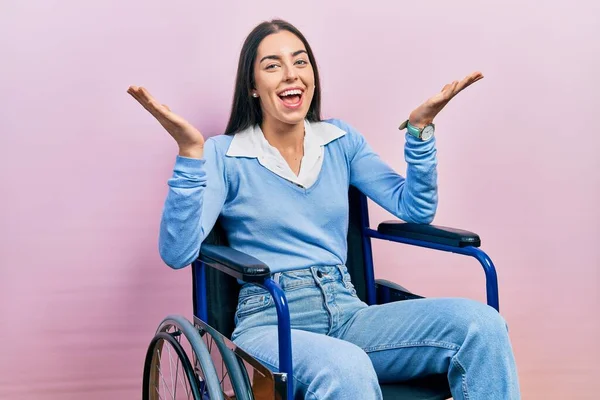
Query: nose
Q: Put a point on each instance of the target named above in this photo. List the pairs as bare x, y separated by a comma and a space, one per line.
290, 73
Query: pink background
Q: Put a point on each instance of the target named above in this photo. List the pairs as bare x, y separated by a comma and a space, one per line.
84, 168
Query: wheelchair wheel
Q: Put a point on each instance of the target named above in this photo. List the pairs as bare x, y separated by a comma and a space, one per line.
178, 364
172, 379
234, 377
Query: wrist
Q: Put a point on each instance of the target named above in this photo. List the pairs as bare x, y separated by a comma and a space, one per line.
192, 152
420, 123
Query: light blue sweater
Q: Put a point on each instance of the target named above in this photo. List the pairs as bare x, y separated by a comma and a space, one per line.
283, 225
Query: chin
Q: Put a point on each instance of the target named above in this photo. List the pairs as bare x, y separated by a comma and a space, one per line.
293, 120
289, 117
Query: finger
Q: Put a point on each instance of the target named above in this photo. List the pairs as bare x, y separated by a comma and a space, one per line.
133, 90
477, 78
451, 90
474, 77
469, 80
149, 105
152, 102
137, 94
145, 93
448, 87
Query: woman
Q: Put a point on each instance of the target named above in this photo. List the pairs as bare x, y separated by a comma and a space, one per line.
279, 179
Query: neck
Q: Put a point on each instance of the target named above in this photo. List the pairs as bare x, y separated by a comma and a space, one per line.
282, 136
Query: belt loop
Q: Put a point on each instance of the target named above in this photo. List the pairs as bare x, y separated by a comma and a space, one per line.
313, 271
276, 277
339, 267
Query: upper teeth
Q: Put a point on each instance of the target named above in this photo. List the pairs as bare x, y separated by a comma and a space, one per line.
291, 92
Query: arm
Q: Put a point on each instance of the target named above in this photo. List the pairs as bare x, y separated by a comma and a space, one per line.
412, 199
197, 192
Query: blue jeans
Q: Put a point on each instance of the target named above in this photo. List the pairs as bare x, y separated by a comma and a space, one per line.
342, 348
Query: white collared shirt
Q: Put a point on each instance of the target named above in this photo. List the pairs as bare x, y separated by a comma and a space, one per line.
252, 143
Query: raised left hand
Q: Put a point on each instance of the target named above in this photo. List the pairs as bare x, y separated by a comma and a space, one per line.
426, 112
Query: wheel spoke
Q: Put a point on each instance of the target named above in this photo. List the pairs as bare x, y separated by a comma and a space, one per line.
158, 392
223, 374
173, 382
181, 370
200, 374
183, 378
165, 382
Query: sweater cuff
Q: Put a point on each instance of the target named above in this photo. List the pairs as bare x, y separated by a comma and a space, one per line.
188, 173
192, 166
412, 143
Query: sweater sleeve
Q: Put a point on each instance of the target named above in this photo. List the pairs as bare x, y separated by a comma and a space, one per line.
197, 192
412, 199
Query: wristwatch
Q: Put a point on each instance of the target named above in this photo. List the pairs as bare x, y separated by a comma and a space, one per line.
423, 134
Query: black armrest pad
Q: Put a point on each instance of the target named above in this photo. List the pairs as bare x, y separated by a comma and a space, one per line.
234, 263
430, 233
387, 291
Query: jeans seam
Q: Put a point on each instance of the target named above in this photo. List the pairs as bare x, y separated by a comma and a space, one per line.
297, 285
254, 309
428, 343
465, 390
272, 367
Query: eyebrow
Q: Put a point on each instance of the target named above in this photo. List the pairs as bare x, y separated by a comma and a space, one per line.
274, 57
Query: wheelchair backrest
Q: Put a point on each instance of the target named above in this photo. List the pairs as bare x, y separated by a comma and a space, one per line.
223, 290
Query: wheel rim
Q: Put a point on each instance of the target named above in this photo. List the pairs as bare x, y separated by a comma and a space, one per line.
222, 372
170, 375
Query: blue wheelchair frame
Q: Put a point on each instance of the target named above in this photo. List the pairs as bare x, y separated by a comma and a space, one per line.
281, 305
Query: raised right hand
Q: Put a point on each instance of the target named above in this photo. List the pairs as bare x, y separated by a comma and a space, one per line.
188, 138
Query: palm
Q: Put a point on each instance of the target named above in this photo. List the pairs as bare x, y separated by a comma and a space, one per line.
182, 131
427, 111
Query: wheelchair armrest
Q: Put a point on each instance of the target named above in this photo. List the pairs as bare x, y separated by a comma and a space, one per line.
430, 233
387, 292
234, 263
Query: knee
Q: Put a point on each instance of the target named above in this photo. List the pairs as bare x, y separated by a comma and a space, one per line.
481, 320
353, 363
348, 372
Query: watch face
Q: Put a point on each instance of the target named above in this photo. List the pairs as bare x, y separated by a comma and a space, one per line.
427, 132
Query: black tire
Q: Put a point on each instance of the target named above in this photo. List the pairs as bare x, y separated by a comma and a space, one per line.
152, 371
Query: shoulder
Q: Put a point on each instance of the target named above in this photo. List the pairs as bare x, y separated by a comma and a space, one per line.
348, 136
219, 143
349, 131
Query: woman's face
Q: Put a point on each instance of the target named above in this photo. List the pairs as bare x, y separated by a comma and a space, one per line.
284, 78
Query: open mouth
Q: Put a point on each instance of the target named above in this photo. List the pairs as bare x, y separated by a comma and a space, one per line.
292, 98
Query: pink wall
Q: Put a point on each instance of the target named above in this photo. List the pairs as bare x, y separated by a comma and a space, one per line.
84, 168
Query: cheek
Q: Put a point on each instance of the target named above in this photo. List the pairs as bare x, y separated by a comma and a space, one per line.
309, 82
310, 75
267, 83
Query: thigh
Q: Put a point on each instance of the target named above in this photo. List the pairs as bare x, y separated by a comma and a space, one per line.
322, 364
414, 338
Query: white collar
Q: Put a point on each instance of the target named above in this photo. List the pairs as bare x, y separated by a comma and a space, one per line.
251, 141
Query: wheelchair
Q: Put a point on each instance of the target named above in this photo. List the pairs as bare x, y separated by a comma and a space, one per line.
196, 360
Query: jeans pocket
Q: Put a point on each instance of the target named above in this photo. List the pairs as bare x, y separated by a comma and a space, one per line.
252, 304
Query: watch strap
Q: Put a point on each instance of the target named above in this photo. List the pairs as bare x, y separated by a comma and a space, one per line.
411, 129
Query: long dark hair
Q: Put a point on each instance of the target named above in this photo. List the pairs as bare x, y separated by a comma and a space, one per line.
246, 110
